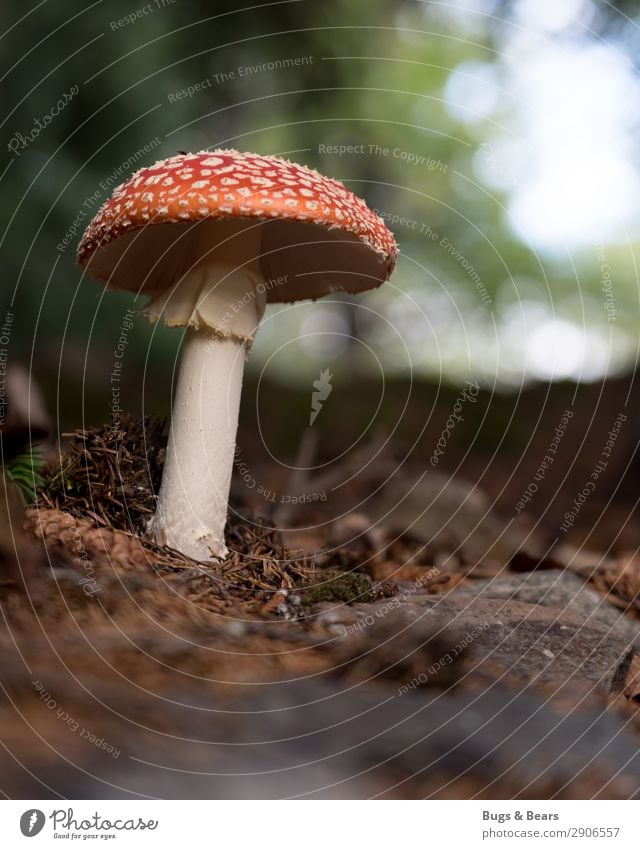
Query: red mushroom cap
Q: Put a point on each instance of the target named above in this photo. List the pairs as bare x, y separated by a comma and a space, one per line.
317, 233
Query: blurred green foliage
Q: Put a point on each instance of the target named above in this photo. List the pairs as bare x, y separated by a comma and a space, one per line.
374, 78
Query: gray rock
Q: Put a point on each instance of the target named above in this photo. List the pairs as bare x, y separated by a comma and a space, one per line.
318, 739
564, 630
553, 588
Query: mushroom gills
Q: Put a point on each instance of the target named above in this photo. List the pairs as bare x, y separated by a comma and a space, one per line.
221, 292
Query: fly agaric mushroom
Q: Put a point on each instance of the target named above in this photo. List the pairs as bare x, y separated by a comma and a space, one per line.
212, 237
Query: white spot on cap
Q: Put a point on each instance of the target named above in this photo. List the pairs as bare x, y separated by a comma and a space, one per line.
261, 181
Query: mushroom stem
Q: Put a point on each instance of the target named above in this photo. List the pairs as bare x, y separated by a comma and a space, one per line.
191, 512
221, 302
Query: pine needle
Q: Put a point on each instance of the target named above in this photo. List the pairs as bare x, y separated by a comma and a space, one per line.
25, 471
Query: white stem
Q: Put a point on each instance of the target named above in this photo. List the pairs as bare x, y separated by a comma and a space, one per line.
192, 505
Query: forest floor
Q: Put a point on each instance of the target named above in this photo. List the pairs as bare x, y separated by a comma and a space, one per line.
424, 644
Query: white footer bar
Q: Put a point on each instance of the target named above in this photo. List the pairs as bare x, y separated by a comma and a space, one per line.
317, 824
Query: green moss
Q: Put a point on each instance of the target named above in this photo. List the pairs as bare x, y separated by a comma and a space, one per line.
348, 587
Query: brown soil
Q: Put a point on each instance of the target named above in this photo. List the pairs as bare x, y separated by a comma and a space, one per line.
349, 649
